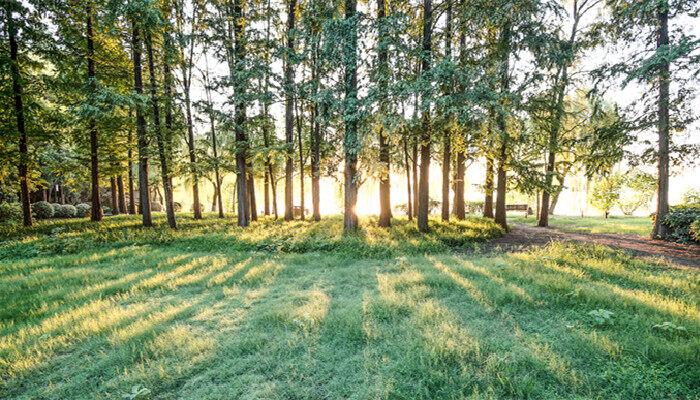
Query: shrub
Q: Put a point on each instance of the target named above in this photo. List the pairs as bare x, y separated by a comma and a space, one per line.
66, 211
82, 210
56, 207
474, 207
10, 212
42, 210
106, 210
177, 206
684, 221
157, 207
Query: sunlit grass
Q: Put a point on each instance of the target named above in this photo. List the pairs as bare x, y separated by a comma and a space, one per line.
623, 225
197, 321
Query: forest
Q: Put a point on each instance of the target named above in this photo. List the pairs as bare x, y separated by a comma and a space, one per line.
107, 102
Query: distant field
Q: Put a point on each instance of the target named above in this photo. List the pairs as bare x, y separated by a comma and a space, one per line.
299, 311
623, 225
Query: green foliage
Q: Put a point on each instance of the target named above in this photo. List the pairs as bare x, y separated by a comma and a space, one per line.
684, 221
619, 225
65, 211
637, 190
605, 193
474, 207
137, 392
601, 316
691, 197
82, 210
56, 207
10, 212
42, 210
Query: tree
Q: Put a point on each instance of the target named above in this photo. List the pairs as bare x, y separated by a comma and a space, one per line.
423, 183
350, 116
289, 113
605, 193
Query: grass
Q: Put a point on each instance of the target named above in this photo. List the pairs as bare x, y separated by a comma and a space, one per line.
224, 321
624, 225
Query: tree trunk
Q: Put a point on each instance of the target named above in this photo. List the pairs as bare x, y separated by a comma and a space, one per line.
424, 184
504, 49
459, 209
23, 165
315, 165
115, 196
301, 160
414, 172
122, 196
240, 119
384, 155
660, 229
197, 209
289, 114
130, 178
96, 210
252, 203
144, 193
409, 204
446, 146
351, 144
266, 191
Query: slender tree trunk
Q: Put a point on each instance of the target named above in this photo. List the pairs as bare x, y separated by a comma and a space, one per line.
23, 165
289, 114
266, 191
217, 176
213, 199
251, 193
144, 193
660, 229
130, 177
488, 189
414, 172
122, 195
409, 205
446, 146
384, 155
555, 199
96, 210
316, 139
423, 184
459, 209
240, 118
197, 209
115, 195
351, 144
504, 49
301, 160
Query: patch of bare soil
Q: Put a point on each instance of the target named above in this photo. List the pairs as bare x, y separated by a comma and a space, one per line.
523, 236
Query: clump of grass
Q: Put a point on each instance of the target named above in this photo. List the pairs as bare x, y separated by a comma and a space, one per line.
266, 235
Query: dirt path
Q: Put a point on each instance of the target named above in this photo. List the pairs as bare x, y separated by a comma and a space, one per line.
522, 236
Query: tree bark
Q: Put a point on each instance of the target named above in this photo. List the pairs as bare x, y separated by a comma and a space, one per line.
252, 203
301, 160
197, 209
240, 119
504, 50
446, 146
351, 144
144, 193
660, 229
96, 209
115, 195
289, 114
409, 205
414, 172
160, 140
121, 196
266, 191
423, 183
23, 164
459, 209
384, 155
130, 177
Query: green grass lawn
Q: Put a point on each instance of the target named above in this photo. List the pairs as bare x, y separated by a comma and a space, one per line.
213, 313
624, 225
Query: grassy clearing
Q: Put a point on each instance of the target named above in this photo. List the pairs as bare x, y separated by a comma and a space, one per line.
268, 235
624, 225
203, 324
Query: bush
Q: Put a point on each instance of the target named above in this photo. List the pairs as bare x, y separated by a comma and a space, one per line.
684, 222
56, 207
10, 212
474, 207
106, 210
42, 210
82, 210
156, 207
65, 211
177, 206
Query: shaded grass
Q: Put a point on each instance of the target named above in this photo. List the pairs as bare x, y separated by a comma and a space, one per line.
623, 225
268, 235
249, 325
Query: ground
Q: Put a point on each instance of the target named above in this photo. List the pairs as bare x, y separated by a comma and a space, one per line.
298, 311
620, 225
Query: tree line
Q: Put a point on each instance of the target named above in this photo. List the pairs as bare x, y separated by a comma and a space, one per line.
138, 92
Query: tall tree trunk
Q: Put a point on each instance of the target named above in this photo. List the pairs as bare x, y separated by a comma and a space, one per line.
423, 184
163, 157
351, 144
316, 138
414, 173
130, 177
384, 155
217, 176
266, 191
446, 146
555, 199
144, 193
115, 196
301, 160
409, 204
289, 114
252, 203
488, 189
197, 208
660, 229
504, 50
23, 165
240, 118
459, 209
96, 210
122, 196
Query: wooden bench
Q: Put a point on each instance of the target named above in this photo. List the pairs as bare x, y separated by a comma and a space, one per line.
519, 207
